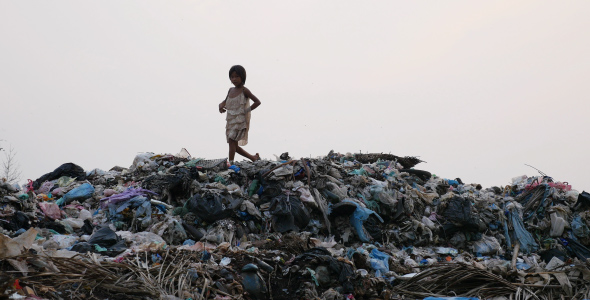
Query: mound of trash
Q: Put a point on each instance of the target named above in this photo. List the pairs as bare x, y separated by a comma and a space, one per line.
343, 226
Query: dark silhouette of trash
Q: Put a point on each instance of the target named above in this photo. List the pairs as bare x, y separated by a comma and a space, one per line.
104, 237
407, 161
343, 226
67, 169
288, 213
104, 241
211, 207
253, 283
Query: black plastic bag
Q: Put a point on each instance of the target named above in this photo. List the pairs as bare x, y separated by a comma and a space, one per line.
577, 249
67, 169
211, 207
87, 228
583, 201
19, 220
104, 237
83, 247
549, 254
458, 210
288, 213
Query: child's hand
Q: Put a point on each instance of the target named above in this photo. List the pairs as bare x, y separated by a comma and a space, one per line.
222, 107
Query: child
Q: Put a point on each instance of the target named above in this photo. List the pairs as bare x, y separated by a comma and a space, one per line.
238, 110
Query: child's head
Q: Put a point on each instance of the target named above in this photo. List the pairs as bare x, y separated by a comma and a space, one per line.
240, 71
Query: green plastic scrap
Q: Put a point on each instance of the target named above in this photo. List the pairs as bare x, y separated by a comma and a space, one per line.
373, 205
312, 273
360, 172
24, 197
180, 211
193, 162
220, 179
99, 248
254, 186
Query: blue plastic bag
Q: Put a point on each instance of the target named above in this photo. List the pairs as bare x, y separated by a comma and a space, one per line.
80, 193
525, 238
579, 228
360, 215
379, 262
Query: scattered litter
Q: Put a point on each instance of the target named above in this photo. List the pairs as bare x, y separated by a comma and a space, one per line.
343, 226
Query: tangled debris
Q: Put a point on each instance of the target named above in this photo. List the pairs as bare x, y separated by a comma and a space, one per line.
343, 226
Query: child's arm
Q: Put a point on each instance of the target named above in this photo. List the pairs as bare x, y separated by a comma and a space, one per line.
222, 104
251, 96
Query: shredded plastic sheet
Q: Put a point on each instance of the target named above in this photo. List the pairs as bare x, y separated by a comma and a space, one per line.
522, 236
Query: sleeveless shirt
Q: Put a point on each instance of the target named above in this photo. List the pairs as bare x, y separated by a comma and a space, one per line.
238, 119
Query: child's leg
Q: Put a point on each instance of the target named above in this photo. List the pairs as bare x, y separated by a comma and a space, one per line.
232, 149
244, 153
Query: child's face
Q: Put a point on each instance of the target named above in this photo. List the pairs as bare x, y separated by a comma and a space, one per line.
235, 79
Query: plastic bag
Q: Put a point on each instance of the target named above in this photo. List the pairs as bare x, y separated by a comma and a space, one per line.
51, 210
65, 181
80, 193
45, 187
104, 237
579, 228
379, 262
458, 210
583, 200
526, 240
210, 207
487, 245
288, 213
126, 195
357, 218
64, 241
144, 161
67, 169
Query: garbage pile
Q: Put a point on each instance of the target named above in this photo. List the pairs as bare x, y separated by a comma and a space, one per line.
343, 226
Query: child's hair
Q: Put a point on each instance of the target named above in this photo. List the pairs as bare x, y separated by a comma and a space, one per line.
240, 71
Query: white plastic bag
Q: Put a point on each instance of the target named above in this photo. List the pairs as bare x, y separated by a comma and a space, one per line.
487, 245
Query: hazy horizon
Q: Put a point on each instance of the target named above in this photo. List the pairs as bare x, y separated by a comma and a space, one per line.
475, 89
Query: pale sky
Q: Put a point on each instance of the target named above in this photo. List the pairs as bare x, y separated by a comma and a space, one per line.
477, 89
